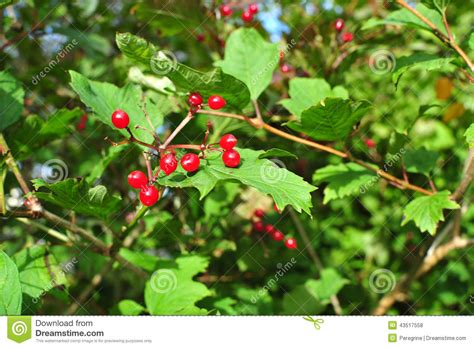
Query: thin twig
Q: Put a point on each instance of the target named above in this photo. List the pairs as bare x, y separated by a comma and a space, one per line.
178, 129
314, 256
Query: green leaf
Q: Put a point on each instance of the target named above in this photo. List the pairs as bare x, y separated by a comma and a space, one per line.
469, 134
251, 59
39, 271
76, 195
427, 211
11, 99
344, 180
333, 119
306, 92
130, 307
285, 187
405, 17
172, 291
438, 5
104, 98
423, 61
277, 153
10, 287
329, 285
420, 161
184, 78
113, 153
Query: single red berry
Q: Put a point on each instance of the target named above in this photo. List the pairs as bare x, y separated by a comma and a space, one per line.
285, 68
120, 119
347, 36
270, 228
247, 16
81, 125
195, 99
137, 179
228, 142
290, 243
168, 163
200, 37
149, 195
259, 213
258, 226
225, 10
253, 8
339, 24
216, 102
190, 162
370, 143
231, 158
278, 236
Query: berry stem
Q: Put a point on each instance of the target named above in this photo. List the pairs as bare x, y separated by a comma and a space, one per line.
148, 167
257, 110
178, 129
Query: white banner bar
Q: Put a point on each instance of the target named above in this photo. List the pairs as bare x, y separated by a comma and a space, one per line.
239, 331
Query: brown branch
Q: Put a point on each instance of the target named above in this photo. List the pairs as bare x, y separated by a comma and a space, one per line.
314, 256
402, 184
400, 290
467, 178
445, 39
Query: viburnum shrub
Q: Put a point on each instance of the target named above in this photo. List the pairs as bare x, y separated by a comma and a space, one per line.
324, 149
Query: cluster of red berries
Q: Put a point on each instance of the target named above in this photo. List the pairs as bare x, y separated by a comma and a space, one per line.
247, 14
149, 194
277, 235
346, 36
215, 102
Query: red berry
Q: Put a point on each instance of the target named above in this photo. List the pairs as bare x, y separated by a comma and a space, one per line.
269, 228
195, 99
137, 179
370, 143
290, 243
278, 236
253, 8
225, 10
200, 37
190, 162
120, 119
259, 213
228, 142
231, 158
339, 24
285, 68
216, 102
347, 37
149, 195
247, 16
258, 226
168, 163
